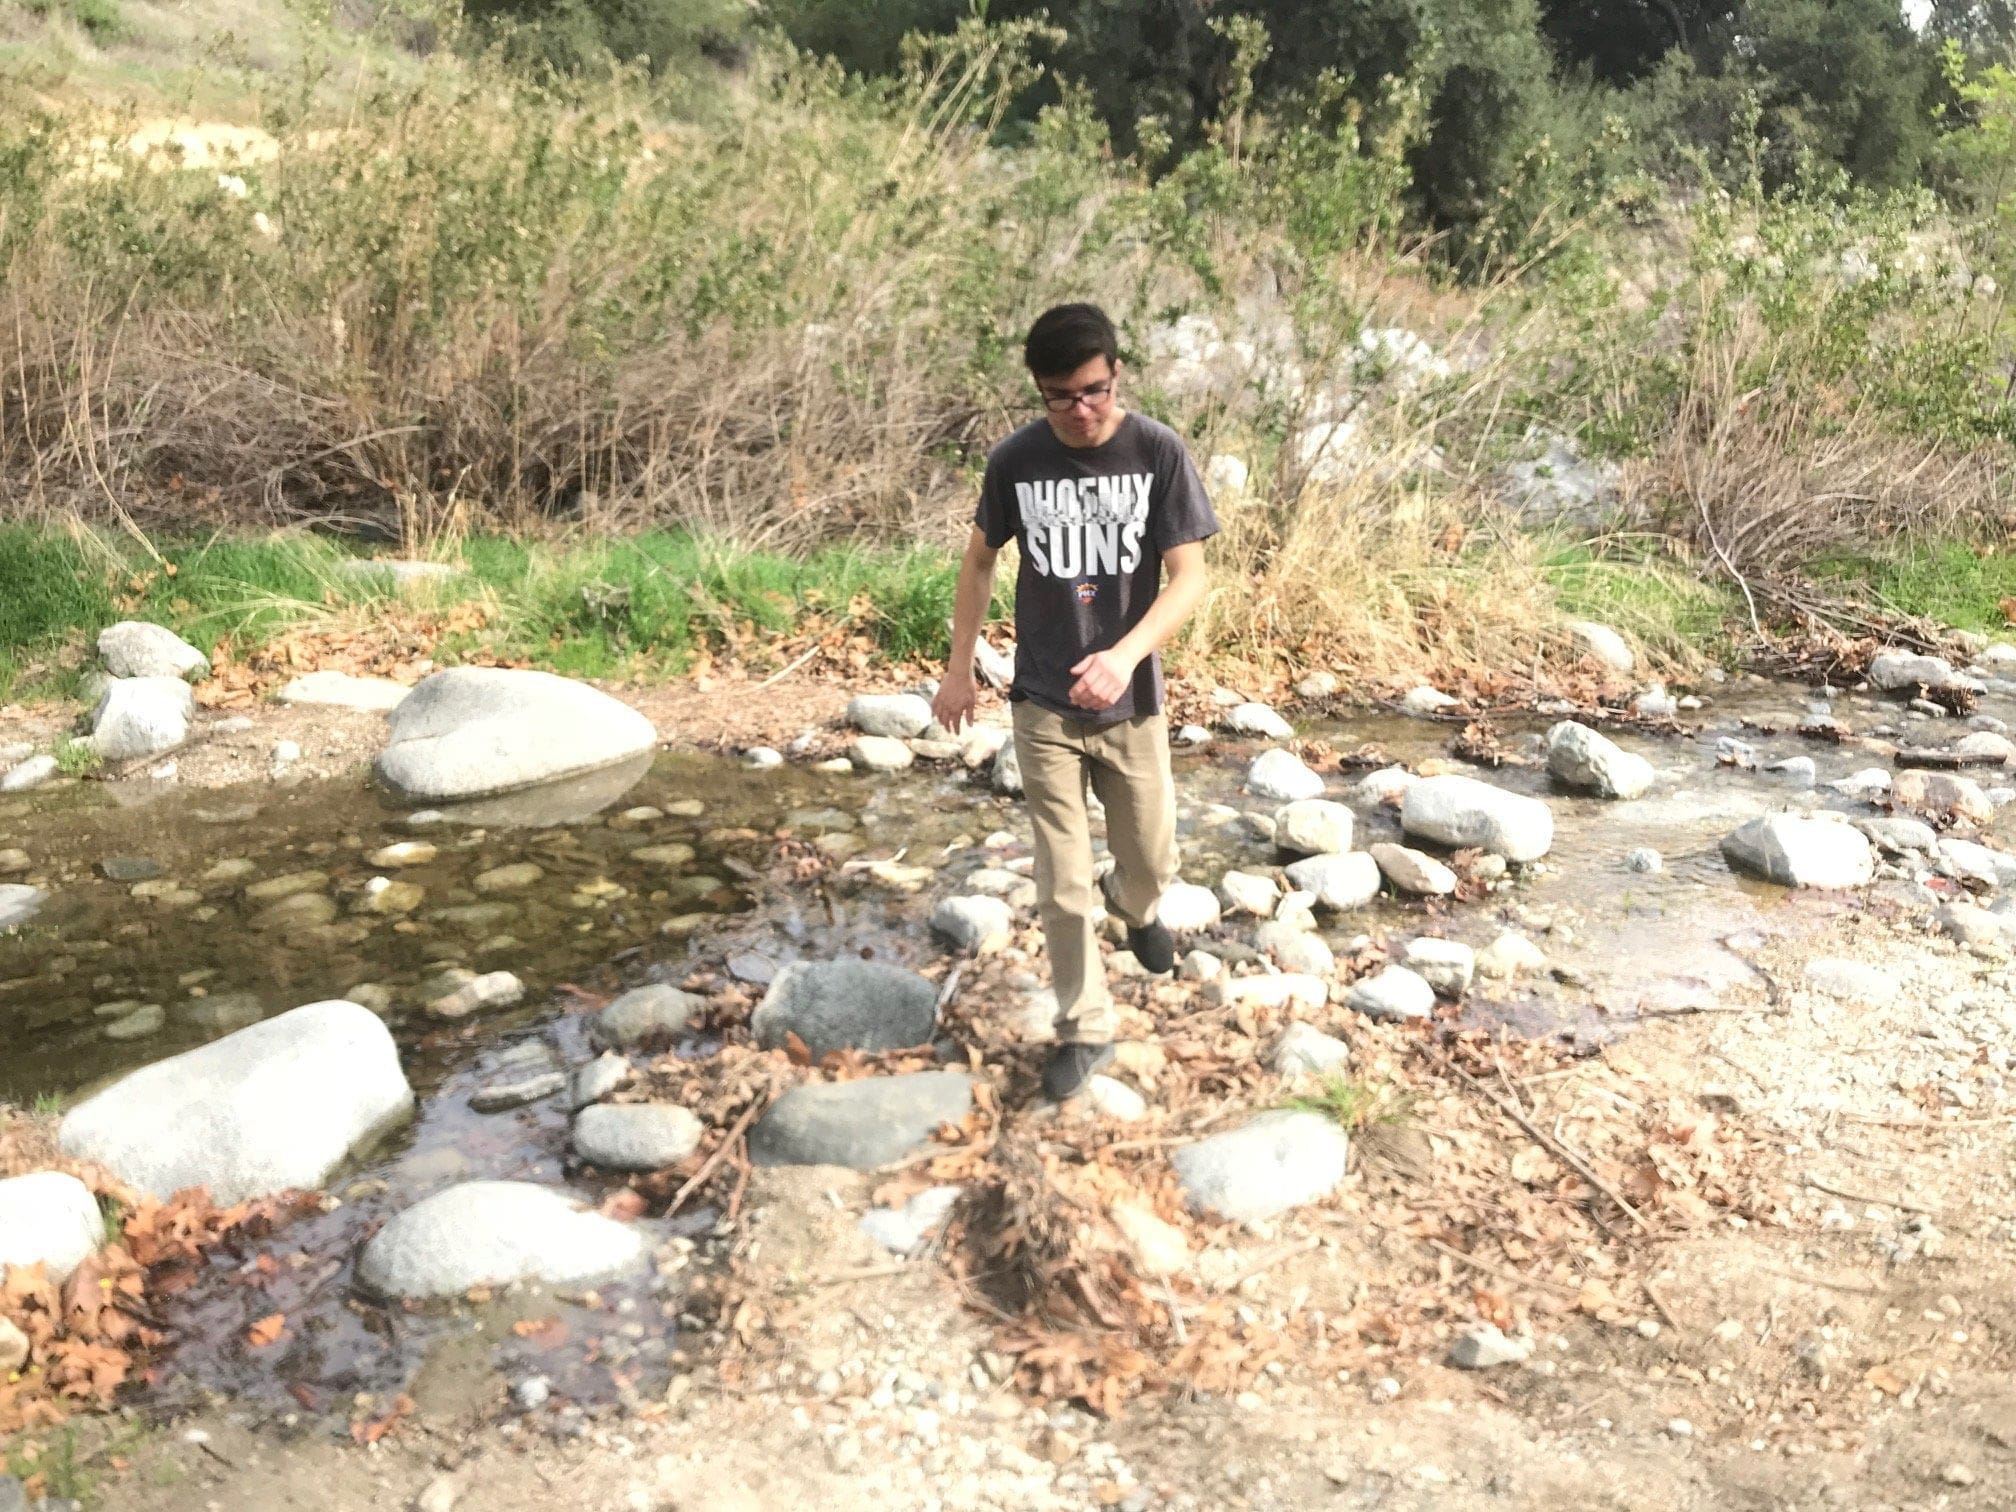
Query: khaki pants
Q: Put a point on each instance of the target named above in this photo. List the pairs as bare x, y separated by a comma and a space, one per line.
1127, 765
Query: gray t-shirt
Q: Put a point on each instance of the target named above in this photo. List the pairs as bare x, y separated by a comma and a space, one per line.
1092, 523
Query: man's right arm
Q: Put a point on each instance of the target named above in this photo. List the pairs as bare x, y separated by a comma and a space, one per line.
956, 692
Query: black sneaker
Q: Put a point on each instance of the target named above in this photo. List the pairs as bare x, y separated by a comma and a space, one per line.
1153, 946
1069, 1067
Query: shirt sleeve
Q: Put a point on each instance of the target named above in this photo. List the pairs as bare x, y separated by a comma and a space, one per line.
1184, 512
996, 516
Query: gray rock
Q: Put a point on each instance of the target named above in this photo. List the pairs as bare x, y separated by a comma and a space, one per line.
1267, 1166
134, 648
594, 1080
1869, 784
1644, 860
1339, 882
1603, 643
19, 903
1317, 685
896, 716
762, 758
30, 773
1295, 949
142, 1021
1193, 735
1941, 795
1006, 778
1509, 956
532, 1393
494, 1233
400, 574
1656, 703
471, 732
881, 753
1897, 671
1966, 862
1853, 982
1986, 747
1304, 1050
1484, 1347
1279, 990
501, 1096
1445, 965
635, 1136
1314, 827
341, 690
1249, 893
141, 716
1900, 837
51, 1219
1282, 776
1413, 872
281, 1103
1978, 931
493, 989
903, 1230
979, 924
653, 1012
1185, 907
1425, 701
1797, 772
846, 1005
1799, 852
863, 1124
1387, 785
1258, 719
1461, 812
1394, 993
1584, 759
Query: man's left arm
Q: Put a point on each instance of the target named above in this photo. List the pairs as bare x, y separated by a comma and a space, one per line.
1104, 675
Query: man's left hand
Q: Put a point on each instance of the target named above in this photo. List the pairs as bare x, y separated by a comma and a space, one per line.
1102, 678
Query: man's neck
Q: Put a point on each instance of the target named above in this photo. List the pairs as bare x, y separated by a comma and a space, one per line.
1106, 432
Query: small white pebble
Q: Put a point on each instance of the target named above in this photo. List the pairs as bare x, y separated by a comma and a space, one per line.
1680, 1428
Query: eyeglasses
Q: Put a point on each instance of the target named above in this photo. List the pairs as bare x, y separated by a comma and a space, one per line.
1091, 398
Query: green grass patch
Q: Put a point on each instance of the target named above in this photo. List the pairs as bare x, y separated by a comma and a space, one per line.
1954, 584
1350, 1103
1659, 602
636, 606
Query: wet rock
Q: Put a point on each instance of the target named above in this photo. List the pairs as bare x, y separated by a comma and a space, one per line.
668, 857
273, 889
904, 1230
1185, 907
979, 924
863, 1124
1157, 1248
298, 912
512, 877
1413, 872
1799, 852
341, 690
982, 744
1655, 703
1941, 795
1900, 837
1006, 778
1249, 893
141, 716
502, 1096
29, 773
1394, 993
1275, 991
51, 1219
493, 989
1897, 671
1986, 748
1258, 719
1338, 882
762, 758
1588, 761
494, 1233
1603, 643
1314, 827
13, 862
893, 716
1193, 735
142, 1021
1461, 813
994, 882
596, 1079
405, 853
1509, 956
1268, 1166
1644, 860
654, 1012
1797, 772
471, 732
19, 903
1294, 949
880, 753
1445, 965
128, 869
1200, 966
635, 1136
1425, 701
385, 897
1975, 865
847, 1005
279, 1104
1304, 1050
1485, 1347
1282, 776
1853, 982
223, 1012
134, 648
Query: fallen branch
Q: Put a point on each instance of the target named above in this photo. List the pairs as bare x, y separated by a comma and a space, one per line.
1881, 1201
713, 1162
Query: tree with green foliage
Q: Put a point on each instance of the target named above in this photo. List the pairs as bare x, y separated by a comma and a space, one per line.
577, 35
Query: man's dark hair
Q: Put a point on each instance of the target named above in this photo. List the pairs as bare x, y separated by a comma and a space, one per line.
1067, 337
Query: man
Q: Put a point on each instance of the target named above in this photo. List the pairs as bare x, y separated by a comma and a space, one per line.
1100, 501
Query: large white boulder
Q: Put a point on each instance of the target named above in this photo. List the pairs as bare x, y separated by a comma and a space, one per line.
1461, 812
1314, 827
49, 1219
1794, 851
279, 1104
470, 732
138, 717
1282, 776
1582, 758
134, 648
492, 1233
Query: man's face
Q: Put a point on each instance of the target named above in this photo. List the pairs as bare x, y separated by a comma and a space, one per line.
1080, 403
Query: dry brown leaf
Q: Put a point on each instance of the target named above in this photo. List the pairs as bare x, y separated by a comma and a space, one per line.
267, 1330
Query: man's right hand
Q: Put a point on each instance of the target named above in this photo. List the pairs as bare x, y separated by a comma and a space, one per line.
954, 704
